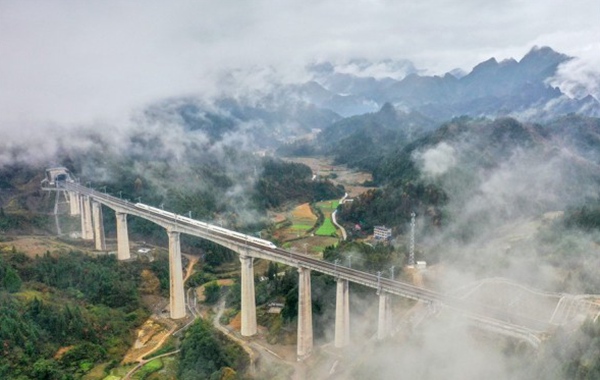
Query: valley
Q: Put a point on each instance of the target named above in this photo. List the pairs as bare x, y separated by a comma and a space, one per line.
353, 180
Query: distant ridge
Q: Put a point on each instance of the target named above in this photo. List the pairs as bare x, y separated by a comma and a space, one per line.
491, 88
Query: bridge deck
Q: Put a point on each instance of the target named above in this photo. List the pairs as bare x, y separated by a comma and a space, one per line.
499, 318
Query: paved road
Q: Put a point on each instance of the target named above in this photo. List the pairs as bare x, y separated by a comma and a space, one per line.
141, 364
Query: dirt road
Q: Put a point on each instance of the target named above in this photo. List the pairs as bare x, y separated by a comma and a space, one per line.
257, 352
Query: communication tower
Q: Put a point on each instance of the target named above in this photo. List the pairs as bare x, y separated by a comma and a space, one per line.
411, 255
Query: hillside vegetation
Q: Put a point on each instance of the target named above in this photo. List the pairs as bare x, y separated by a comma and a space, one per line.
64, 313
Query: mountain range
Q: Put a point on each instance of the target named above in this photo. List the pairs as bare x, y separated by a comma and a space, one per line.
492, 88
338, 95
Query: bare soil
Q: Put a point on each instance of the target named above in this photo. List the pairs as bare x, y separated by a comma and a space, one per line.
314, 244
33, 246
236, 322
190, 268
303, 212
301, 219
61, 351
150, 336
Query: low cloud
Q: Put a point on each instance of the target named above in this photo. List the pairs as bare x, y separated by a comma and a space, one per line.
70, 64
436, 160
580, 76
378, 70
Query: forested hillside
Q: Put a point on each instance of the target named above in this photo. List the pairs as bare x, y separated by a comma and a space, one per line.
207, 354
454, 161
285, 182
63, 314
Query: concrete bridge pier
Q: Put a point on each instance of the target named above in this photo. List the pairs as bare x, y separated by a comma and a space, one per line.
176, 293
81, 215
249, 327
87, 231
98, 221
383, 325
73, 203
342, 314
123, 252
305, 328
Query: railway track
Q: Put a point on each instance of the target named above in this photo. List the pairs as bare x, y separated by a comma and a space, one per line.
482, 314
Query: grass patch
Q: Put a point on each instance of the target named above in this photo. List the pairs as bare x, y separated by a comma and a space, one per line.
169, 370
328, 206
98, 372
153, 366
119, 372
148, 368
327, 228
302, 227
29, 295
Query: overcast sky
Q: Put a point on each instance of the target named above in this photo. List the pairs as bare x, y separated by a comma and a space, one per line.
75, 61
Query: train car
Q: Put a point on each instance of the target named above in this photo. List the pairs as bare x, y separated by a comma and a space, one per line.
241, 236
262, 242
210, 227
157, 210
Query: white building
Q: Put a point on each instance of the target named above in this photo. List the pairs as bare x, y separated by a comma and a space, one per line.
382, 233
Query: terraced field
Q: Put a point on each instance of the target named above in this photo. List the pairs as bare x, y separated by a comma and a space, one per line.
295, 234
299, 221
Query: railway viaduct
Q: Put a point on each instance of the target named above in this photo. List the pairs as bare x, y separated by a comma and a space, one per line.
87, 203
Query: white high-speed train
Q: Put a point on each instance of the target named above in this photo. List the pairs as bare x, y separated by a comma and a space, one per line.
207, 226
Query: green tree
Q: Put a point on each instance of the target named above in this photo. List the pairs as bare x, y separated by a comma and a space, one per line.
48, 369
12, 282
272, 270
205, 353
212, 291
290, 308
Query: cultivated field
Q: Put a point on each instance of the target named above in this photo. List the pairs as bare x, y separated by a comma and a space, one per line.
297, 224
297, 232
351, 179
